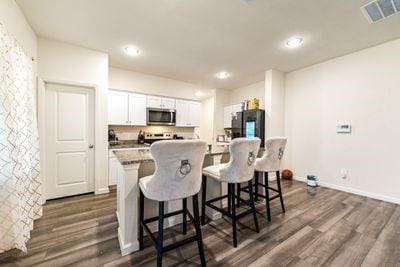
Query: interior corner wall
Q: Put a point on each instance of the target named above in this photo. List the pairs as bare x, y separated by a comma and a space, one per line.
274, 103
221, 99
361, 89
205, 131
73, 64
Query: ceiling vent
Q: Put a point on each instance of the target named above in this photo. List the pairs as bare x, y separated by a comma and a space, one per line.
380, 9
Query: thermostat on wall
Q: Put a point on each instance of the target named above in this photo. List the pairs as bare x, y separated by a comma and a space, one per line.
343, 128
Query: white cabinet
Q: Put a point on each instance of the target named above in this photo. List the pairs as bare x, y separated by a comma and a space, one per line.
126, 108
194, 114
118, 108
160, 102
168, 103
153, 102
137, 109
187, 113
229, 113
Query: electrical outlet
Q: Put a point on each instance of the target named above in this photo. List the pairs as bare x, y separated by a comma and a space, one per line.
343, 173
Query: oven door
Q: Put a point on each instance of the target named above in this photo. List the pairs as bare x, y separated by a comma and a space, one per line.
160, 116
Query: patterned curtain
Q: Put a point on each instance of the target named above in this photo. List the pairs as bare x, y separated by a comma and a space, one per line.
20, 185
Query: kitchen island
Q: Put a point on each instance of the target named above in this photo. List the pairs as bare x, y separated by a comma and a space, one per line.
134, 164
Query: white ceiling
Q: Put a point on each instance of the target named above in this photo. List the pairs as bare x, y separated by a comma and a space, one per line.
191, 40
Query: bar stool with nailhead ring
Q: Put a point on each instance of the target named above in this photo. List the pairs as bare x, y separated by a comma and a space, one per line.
239, 169
177, 176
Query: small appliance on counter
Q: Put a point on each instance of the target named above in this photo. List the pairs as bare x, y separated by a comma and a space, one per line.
141, 137
111, 135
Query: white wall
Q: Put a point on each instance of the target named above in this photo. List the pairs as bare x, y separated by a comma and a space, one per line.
247, 92
363, 89
63, 62
15, 22
206, 129
275, 103
150, 84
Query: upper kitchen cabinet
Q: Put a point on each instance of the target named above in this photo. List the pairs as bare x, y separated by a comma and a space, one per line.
126, 108
137, 109
187, 113
118, 108
160, 102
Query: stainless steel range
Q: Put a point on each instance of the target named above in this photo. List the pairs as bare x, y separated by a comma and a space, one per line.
154, 137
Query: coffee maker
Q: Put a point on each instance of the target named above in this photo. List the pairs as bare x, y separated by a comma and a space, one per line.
111, 135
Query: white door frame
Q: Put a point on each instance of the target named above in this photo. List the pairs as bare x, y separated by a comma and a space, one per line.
41, 100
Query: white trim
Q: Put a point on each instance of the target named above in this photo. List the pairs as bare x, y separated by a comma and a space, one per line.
126, 248
353, 191
41, 109
103, 190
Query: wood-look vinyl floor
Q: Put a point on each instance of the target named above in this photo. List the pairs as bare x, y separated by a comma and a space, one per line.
320, 227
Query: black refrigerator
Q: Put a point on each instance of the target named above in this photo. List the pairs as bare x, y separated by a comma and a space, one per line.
249, 123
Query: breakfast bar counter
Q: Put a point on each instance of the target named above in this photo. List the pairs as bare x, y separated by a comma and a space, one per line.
134, 164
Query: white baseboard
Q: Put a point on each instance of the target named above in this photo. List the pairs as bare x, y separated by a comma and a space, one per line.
353, 191
104, 190
126, 248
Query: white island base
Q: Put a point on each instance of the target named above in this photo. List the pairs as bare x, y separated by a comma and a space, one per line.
128, 200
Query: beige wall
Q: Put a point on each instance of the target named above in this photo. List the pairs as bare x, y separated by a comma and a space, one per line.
275, 103
150, 84
247, 92
73, 64
206, 129
363, 89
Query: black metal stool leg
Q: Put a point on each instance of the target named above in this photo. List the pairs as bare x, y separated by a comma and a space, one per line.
198, 229
229, 199
278, 181
256, 185
238, 189
267, 195
184, 221
141, 218
203, 199
234, 232
160, 233
253, 207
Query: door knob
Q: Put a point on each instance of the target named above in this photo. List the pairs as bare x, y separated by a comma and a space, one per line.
91, 146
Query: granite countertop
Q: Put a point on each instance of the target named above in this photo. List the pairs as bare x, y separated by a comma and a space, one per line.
127, 157
126, 144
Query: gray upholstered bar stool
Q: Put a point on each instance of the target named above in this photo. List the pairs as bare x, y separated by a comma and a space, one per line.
270, 162
177, 176
239, 169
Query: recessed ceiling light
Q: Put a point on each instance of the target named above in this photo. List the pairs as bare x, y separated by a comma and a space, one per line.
199, 94
132, 51
222, 75
294, 42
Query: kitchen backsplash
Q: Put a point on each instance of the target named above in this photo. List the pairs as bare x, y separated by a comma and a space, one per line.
131, 132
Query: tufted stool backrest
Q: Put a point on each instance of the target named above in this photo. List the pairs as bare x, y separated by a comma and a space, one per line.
243, 154
272, 158
178, 168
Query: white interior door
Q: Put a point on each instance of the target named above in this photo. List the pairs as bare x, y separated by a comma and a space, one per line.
69, 139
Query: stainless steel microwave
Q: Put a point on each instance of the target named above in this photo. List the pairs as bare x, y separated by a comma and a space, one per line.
157, 116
